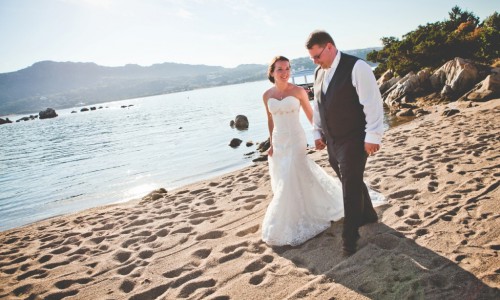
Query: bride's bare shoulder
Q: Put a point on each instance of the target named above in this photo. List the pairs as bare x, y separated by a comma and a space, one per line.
267, 94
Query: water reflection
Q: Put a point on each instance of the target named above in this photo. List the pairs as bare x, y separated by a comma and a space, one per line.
391, 121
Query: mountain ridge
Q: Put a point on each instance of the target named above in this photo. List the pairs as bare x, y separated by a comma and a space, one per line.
68, 84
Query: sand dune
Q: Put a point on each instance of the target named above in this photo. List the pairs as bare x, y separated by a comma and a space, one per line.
438, 236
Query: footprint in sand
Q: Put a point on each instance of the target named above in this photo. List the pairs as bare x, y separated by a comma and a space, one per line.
211, 235
202, 253
257, 279
23, 290
127, 269
122, 256
145, 254
231, 256
233, 251
127, 286
432, 186
258, 264
240, 198
404, 194
243, 179
199, 191
64, 284
421, 232
413, 219
61, 295
191, 287
248, 231
251, 188
183, 230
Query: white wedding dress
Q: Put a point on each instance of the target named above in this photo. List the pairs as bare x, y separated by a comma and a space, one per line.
305, 197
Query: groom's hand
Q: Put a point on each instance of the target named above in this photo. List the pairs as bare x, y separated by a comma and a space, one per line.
320, 144
371, 148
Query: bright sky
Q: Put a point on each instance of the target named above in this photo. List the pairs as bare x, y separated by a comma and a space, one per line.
211, 32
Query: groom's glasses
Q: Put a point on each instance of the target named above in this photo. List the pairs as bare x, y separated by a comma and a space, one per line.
315, 57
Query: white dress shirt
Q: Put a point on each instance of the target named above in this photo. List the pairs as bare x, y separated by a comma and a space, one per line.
366, 86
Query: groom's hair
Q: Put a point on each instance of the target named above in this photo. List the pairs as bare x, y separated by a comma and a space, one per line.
271, 67
320, 38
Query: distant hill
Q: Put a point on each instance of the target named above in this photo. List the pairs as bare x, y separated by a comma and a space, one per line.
305, 63
68, 84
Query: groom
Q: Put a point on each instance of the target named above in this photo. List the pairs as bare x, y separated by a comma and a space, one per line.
348, 117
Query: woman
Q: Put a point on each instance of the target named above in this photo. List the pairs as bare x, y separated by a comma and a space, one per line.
305, 197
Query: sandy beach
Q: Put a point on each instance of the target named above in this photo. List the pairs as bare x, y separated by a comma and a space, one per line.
438, 236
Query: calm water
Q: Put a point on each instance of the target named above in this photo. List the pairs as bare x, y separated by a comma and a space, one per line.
76, 161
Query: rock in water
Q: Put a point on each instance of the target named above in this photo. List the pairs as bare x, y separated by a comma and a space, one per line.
235, 142
241, 122
47, 114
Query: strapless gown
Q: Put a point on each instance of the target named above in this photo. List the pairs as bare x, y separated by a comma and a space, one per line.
306, 199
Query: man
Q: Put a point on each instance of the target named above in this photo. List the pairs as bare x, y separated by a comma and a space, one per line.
348, 118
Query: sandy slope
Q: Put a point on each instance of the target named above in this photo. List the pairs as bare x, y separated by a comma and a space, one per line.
438, 237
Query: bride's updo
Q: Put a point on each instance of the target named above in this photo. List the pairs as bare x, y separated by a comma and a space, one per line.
270, 69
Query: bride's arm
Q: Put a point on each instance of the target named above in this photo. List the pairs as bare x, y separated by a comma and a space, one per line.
304, 102
270, 124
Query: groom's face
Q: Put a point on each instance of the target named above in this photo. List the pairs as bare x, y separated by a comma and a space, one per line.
321, 56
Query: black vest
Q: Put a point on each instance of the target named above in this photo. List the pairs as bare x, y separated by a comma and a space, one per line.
341, 113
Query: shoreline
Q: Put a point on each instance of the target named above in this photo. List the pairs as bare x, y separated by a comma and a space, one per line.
437, 236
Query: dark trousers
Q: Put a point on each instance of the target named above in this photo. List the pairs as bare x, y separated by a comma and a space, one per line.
347, 157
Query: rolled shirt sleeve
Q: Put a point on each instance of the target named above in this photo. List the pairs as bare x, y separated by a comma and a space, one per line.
366, 86
317, 130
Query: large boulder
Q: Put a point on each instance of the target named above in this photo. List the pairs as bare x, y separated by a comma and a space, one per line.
455, 77
241, 122
47, 114
485, 90
387, 80
408, 87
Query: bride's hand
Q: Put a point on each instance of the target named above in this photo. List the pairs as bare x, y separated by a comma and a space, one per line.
320, 144
270, 151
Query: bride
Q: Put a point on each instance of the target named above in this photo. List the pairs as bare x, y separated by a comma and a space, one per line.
306, 199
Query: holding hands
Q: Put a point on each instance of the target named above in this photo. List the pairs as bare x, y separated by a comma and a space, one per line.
370, 148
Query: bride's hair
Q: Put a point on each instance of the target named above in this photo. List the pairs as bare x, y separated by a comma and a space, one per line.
270, 69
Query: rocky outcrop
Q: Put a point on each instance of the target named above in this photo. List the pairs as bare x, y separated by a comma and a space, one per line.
485, 90
408, 87
387, 80
47, 114
28, 118
5, 121
455, 77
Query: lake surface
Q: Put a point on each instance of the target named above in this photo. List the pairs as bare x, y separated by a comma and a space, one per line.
86, 159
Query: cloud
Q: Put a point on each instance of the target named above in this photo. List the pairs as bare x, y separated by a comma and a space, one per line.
183, 13
92, 3
249, 8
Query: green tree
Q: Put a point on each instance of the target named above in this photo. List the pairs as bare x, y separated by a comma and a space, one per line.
489, 39
431, 45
